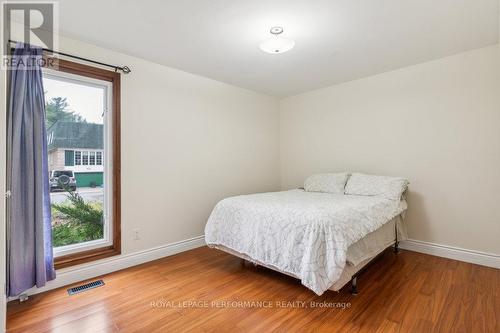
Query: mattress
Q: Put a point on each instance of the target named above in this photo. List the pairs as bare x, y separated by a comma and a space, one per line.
370, 245
358, 254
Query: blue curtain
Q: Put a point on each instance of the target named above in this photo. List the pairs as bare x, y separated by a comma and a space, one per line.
29, 254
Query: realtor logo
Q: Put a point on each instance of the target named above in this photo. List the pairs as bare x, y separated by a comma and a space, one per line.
34, 23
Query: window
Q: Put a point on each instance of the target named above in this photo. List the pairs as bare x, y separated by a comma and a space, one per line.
98, 158
91, 157
85, 158
82, 106
78, 157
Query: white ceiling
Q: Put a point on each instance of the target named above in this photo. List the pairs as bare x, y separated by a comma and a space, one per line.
336, 40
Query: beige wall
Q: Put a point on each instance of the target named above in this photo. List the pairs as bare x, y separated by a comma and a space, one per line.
437, 123
187, 142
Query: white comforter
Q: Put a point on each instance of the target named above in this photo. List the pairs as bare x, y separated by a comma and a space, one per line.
305, 234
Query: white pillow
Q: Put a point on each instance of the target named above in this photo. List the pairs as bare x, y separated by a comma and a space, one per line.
326, 182
389, 187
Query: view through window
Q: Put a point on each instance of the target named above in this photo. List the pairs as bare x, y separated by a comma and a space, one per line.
77, 146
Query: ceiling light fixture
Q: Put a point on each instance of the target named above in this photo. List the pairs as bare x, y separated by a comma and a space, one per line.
277, 44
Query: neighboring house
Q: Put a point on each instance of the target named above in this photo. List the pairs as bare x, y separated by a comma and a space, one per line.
78, 147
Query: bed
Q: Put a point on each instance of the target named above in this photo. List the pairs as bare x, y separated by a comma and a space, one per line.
323, 234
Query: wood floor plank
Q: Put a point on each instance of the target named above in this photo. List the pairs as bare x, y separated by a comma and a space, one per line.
205, 290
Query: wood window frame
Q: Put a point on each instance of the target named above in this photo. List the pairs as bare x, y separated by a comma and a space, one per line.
71, 67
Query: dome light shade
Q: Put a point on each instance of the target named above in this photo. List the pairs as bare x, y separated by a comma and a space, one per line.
277, 44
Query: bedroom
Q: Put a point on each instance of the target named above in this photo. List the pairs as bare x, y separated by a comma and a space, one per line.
179, 120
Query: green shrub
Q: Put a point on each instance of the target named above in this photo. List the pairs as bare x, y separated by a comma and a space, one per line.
71, 233
80, 212
81, 221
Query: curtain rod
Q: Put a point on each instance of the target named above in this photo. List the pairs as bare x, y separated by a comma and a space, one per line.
124, 69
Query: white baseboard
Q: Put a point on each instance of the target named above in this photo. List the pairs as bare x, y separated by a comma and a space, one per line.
82, 272
71, 275
475, 257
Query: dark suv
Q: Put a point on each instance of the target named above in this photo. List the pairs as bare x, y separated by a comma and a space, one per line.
62, 180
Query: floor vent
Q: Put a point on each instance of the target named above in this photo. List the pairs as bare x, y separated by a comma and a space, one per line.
85, 287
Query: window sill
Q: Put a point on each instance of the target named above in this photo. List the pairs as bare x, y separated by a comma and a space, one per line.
85, 256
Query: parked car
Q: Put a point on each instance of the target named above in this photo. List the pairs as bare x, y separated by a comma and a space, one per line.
61, 180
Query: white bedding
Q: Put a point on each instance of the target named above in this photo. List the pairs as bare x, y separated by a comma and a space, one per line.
302, 233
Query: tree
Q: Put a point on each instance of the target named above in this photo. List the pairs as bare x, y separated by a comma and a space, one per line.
83, 221
57, 109
79, 211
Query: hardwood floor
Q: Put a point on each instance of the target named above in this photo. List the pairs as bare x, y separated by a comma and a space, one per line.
407, 292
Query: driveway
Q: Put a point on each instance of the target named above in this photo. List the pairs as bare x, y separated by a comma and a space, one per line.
87, 193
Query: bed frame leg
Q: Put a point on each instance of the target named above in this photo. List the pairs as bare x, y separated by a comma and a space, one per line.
396, 247
354, 285
396, 243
